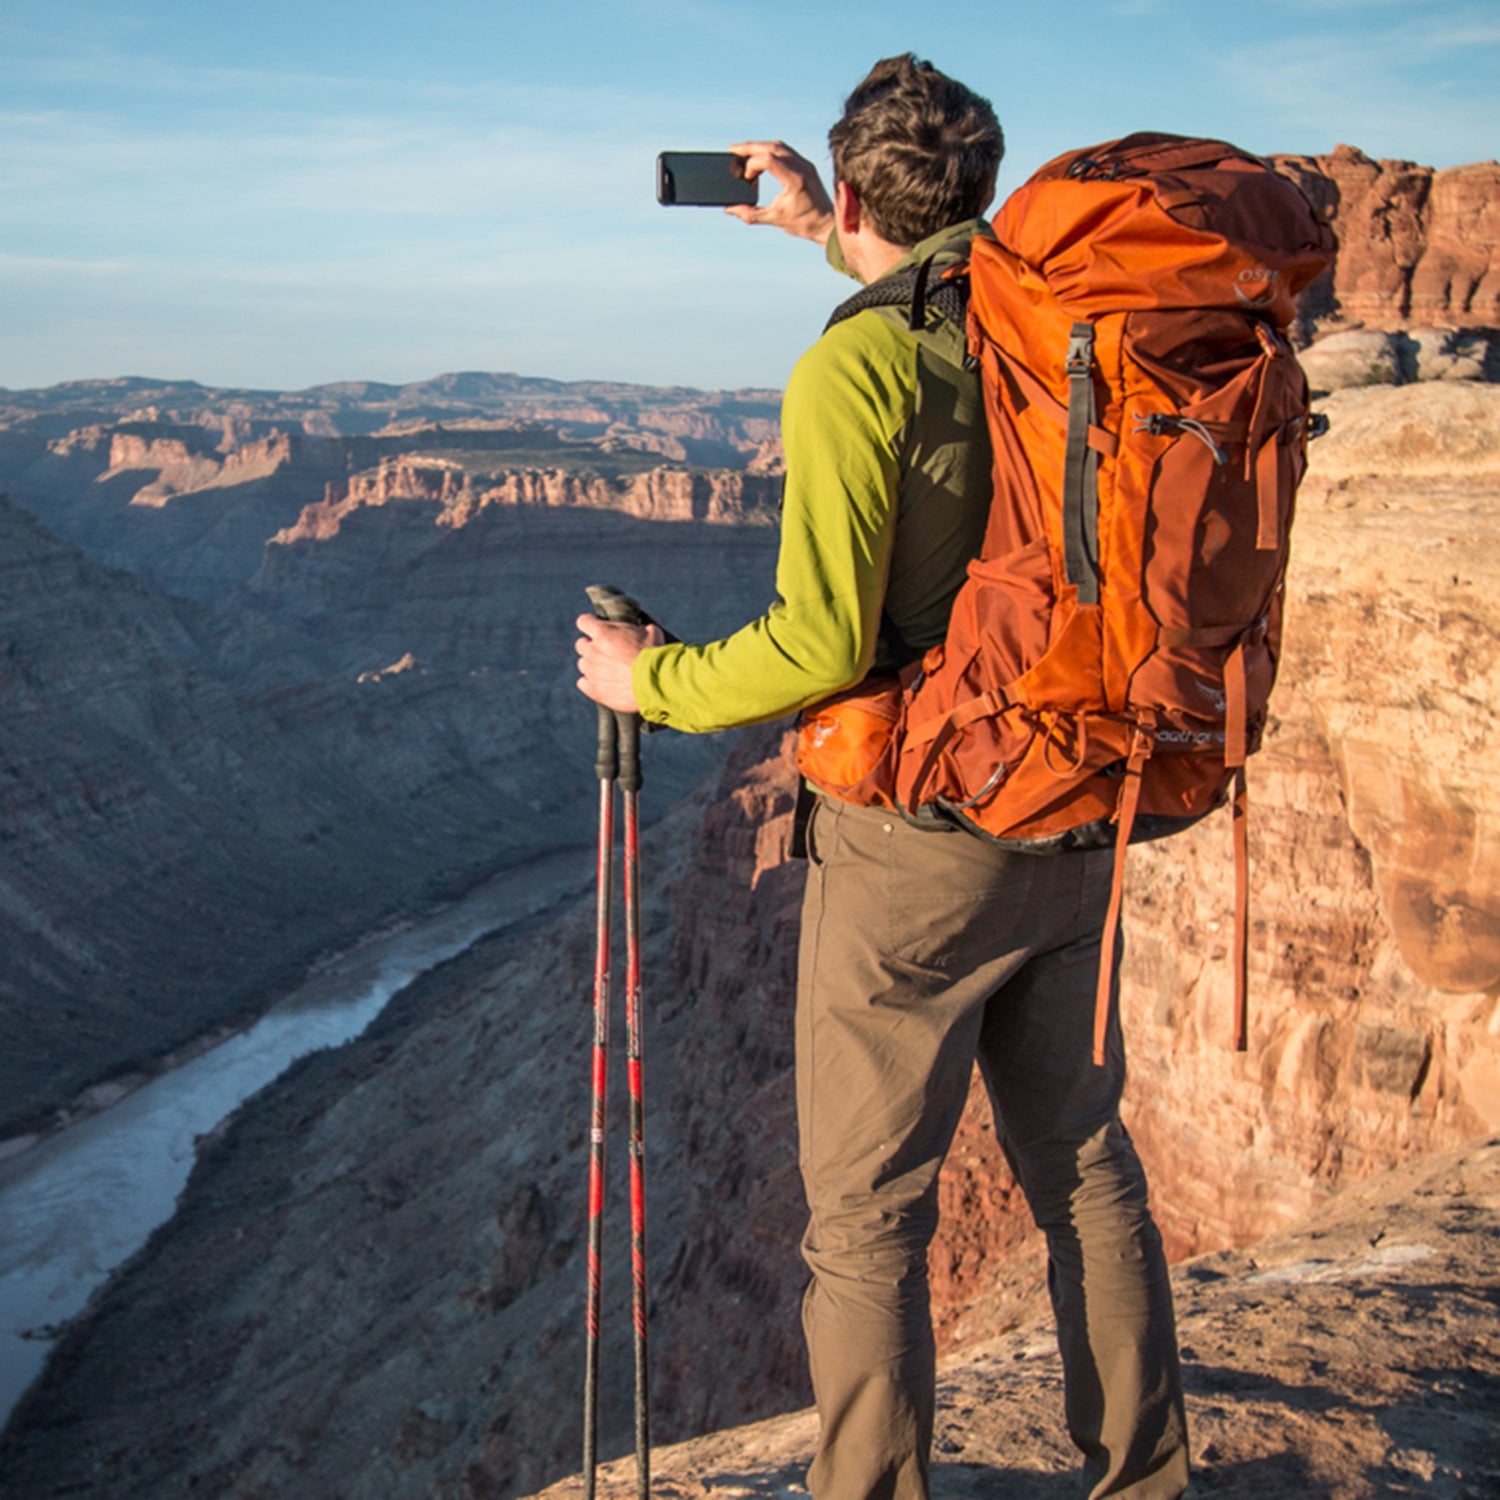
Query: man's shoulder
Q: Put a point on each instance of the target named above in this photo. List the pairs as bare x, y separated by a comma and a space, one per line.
862, 371
870, 345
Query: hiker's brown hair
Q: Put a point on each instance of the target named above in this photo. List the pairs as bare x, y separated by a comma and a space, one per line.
919, 149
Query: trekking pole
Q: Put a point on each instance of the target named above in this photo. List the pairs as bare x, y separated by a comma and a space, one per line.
606, 765
620, 760
630, 785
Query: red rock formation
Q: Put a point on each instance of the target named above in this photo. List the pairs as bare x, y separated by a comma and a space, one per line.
1417, 248
770, 458
458, 496
134, 448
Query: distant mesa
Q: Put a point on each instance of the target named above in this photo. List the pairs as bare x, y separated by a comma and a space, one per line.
224, 472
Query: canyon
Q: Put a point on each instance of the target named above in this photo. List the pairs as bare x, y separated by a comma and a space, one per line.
259, 739
303, 658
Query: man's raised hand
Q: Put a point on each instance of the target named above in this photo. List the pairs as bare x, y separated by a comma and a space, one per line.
802, 208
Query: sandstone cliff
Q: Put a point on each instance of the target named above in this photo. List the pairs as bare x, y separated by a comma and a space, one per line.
184, 484
164, 758
457, 490
1417, 247
1374, 839
1414, 293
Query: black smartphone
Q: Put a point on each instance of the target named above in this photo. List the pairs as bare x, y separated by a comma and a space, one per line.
707, 179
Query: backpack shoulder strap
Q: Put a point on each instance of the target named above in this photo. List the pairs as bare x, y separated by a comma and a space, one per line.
949, 295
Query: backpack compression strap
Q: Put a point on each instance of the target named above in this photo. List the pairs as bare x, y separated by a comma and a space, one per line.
1080, 505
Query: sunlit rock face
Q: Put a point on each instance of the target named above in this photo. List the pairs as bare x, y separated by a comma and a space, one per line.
1375, 835
1417, 247
456, 496
1414, 293
183, 484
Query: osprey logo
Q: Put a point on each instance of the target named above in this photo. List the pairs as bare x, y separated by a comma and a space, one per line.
1255, 286
1214, 696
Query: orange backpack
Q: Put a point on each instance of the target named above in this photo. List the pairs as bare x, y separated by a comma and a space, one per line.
1109, 657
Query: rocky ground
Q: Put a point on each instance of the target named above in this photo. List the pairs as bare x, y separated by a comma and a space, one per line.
1355, 1355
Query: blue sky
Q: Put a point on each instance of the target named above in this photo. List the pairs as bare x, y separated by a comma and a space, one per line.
286, 193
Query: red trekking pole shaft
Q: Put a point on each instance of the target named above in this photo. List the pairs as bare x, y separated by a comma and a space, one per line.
607, 767
630, 781
618, 761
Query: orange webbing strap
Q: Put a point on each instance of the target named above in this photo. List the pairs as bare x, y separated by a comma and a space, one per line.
1236, 747
1261, 460
1267, 477
1236, 709
1130, 798
1241, 912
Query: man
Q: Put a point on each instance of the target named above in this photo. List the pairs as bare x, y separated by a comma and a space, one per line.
924, 949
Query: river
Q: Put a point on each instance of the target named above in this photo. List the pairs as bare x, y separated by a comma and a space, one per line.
80, 1202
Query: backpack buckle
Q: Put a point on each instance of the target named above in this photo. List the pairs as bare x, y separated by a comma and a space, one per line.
1080, 349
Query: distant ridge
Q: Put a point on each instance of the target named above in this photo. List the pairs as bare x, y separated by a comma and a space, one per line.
121, 396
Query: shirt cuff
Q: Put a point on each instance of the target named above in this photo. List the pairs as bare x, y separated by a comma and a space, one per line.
643, 686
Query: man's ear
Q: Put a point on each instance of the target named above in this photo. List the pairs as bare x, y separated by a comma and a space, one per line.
847, 214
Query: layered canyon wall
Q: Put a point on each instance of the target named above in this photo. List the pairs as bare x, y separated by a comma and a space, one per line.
1417, 247
231, 694
192, 807
1414, 293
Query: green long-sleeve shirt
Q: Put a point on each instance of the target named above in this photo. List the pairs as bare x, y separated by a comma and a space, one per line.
887, 489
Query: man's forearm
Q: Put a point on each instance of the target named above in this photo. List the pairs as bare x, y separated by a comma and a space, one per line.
788, 658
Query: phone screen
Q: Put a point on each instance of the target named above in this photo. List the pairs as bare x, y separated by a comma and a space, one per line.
708, 179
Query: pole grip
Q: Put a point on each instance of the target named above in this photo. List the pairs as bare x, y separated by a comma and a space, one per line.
628, 730
620, 739
610, 604
607, 759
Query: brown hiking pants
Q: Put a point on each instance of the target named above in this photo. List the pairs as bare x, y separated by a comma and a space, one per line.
922, 953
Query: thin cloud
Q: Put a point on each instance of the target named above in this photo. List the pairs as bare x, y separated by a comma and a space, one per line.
1372, 88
